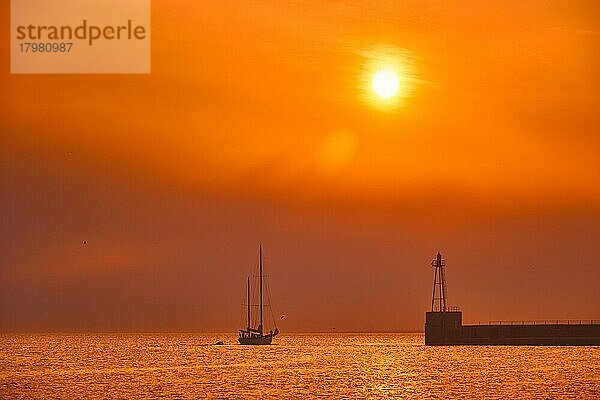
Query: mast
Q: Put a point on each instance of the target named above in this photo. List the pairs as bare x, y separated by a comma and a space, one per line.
248, 303
260, 327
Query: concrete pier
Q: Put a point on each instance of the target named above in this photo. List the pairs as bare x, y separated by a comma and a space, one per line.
446, 328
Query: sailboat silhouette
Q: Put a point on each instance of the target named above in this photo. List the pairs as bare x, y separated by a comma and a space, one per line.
256, 335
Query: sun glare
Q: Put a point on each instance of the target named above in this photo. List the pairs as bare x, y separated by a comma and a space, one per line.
388, 76
385, 83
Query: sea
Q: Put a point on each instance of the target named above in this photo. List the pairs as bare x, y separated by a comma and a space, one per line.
296, 366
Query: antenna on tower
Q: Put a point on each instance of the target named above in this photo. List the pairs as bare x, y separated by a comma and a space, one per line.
438, 300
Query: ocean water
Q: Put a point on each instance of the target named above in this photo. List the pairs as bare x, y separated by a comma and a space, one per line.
158, 366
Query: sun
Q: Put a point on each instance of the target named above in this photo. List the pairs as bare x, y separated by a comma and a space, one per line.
387, 77
385, 83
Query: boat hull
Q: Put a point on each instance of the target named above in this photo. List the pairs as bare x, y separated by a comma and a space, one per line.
256, 340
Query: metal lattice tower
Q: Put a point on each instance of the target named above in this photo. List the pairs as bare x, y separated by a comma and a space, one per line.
438, 300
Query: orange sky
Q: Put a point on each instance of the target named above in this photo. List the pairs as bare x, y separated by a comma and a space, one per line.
255, 126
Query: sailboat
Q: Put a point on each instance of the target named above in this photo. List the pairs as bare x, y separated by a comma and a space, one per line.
256, 335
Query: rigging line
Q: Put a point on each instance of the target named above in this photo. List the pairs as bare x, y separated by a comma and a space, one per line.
242, 312
268, 287
242, 317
